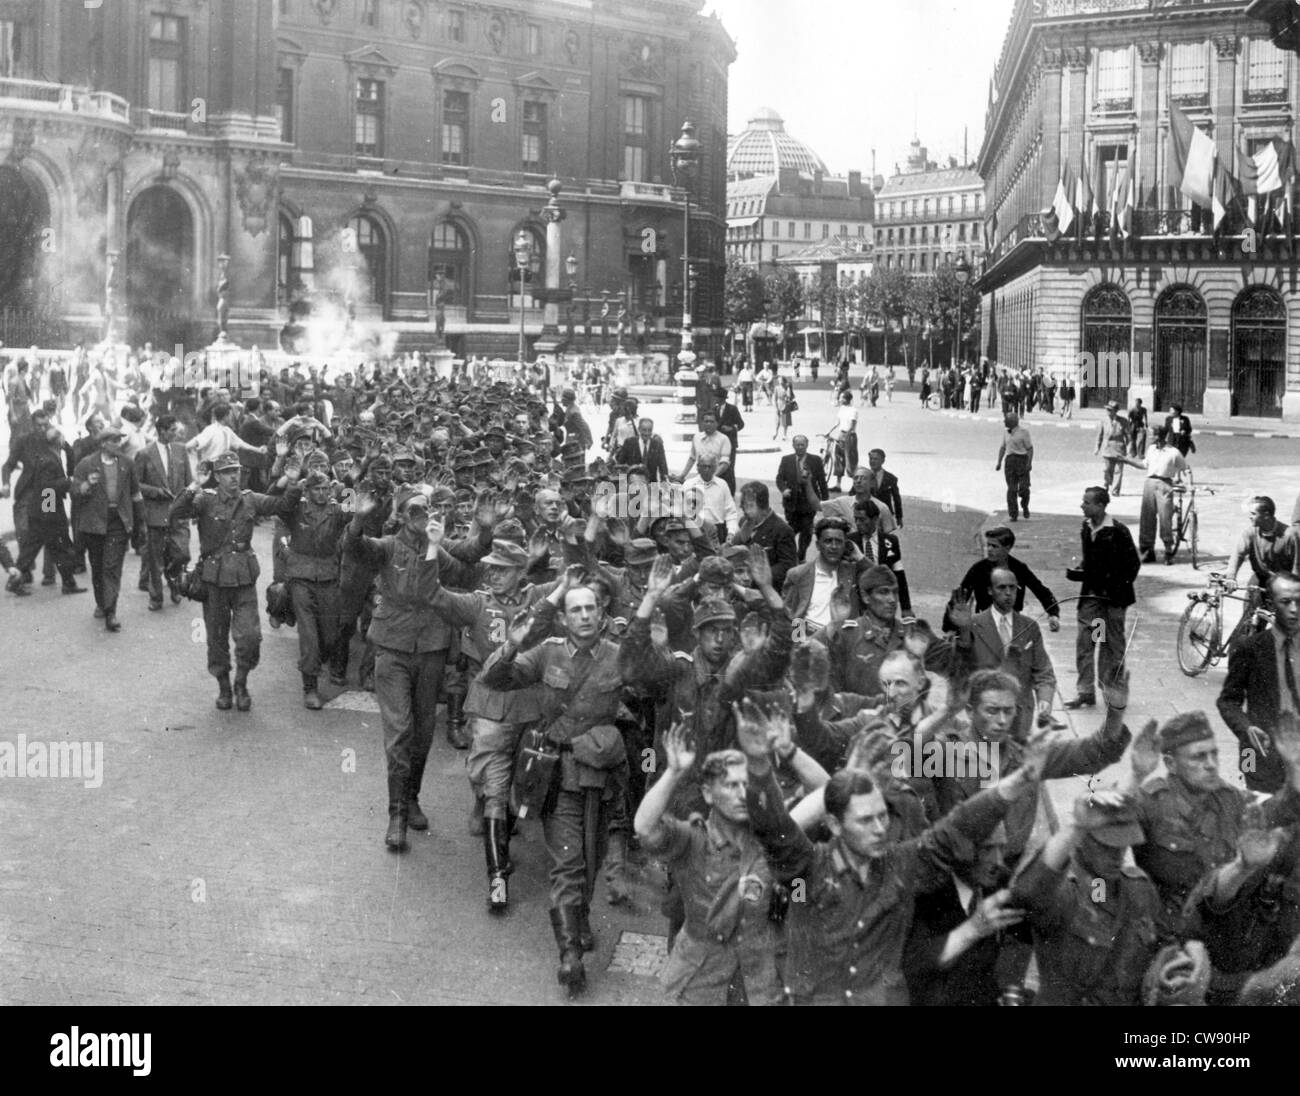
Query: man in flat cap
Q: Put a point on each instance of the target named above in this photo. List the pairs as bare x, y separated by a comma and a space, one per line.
228, 569
110, 508
1112, 444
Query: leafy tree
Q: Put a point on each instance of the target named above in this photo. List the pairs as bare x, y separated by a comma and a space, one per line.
783, 300
744, 294
889, 295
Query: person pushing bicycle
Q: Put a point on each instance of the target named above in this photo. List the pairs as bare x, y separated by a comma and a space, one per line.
1270, 546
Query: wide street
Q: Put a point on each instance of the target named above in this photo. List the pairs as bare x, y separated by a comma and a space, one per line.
228, 858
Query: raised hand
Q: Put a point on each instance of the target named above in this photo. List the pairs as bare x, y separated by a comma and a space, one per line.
679, 753
962, 610
751, 729
282, 447
366, 504
918, 637
435, 531
485, 509
1093, 810
519, 629
293, 469
995, 913
618, 532
760, 567
1144, 757
1258, 846
661, 576
780, 734
575, 574
503, 508
659, 629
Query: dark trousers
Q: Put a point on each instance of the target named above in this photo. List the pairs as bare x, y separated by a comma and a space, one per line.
354, 616
801, 521
22, 520
230, 612
51, 534
1110, 628
564, 830
406, 687
1016, 469
316, 606
164, 557
107, 553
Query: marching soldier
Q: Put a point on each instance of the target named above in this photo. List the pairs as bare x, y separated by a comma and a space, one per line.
356, 579
228, 570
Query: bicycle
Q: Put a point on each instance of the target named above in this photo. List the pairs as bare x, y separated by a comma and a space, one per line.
1186, 521
1200, 631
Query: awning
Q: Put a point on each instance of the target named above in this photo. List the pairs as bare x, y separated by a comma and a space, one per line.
743, 222
766, 331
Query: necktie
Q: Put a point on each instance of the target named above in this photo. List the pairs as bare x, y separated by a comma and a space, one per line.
1004, 629
1287, 652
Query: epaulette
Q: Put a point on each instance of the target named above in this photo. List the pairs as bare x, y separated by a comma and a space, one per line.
849, 624
1131, 871
553, 639
685, 656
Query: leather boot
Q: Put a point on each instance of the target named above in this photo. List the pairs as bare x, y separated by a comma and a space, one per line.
498, 889
571, 973
395, 838
456, 721
225, 699
586, 938
415, 818
476, 824
616, 870
243, 702
310, 697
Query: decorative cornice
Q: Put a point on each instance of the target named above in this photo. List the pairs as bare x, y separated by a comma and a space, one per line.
1075, 57
1149, 52
1225, 46
1051, 58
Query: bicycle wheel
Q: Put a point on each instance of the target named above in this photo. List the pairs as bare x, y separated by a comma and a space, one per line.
1195, 523
1198, 637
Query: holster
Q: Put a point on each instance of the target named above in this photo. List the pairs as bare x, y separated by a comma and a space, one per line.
537, 774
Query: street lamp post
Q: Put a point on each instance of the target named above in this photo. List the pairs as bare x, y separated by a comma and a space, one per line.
523, 249
685, 159
962, 273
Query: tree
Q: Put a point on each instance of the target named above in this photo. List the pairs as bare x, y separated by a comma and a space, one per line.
783, 300
744, 294
826, 299
888, 294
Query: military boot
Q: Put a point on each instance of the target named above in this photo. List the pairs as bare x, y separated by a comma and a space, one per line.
395, 838
571, 973
495, 838
586, 938
456, 721
225, 698
415, 818
310, 697
476, 824
243, 702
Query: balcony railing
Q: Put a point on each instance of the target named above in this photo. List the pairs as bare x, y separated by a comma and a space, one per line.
162, 121
655, 192
65, 97
1148, 224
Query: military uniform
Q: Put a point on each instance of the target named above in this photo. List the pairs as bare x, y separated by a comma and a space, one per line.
846, 939
228, 568
356, 582
312, 571
858, 647
727, 887
1090, 952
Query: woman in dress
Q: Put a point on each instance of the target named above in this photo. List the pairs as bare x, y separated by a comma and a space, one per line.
782, 397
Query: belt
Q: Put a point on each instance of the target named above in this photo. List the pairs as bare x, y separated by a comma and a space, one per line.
1162, 479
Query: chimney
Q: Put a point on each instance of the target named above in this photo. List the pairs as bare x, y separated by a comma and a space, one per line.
788, 183
855, 184
873, 163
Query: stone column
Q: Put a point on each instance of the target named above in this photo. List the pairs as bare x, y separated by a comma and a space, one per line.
1075, 110
1218, 400
1146, 154
1050, 63
553, 215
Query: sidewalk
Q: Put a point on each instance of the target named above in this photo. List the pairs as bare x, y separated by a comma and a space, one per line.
1089, 419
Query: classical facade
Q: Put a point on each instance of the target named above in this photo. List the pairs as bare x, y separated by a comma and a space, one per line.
1181, 313
362, 164
927, 215
781, 198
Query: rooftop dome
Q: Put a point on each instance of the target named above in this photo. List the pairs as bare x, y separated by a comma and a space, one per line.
765, 148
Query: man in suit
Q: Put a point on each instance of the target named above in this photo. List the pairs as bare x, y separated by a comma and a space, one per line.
1261, 684
762, 527
1000, 638
1179, 428
801, 479
824, 589
647, 450
886, 488
163, 470
111, 505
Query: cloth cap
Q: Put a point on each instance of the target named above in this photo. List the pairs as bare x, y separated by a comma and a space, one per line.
736, 552
716, 570
109, 433
876, 576
506, 553
442, 496
404, 496
1184, 728
316, 479
714, 610
640, 551
381, 464
512, 529
1121, 828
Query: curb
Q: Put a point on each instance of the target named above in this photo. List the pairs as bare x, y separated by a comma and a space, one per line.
972, 416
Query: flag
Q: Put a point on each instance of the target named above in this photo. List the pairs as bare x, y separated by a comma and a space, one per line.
1115, 200
1126, 214
1061, 208
1221, 199
1083, 199
1191, 159
1269, 169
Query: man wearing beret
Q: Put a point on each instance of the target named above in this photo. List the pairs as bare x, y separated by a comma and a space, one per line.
228, 569
111, 507
1097, 923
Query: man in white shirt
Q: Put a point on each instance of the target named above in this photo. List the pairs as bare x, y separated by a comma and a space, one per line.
712, 499
709, 443
217, 438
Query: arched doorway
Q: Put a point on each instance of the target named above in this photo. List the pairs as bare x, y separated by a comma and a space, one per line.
24, 224
1107, 333
371, 290
1180, 349
1258, 352
449, 266
160, 270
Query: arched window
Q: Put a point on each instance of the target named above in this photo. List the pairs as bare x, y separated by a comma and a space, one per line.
449, 265
1258, 374
293, 258
372, 272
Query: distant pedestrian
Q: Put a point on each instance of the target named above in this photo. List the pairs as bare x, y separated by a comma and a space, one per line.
1112, 444
1017, 454
786, 405
1180, 430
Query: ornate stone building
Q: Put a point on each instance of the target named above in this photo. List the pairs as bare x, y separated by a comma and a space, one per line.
1204, 319
927, 215
374, 156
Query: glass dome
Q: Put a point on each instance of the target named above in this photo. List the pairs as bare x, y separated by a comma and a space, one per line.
765, 148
